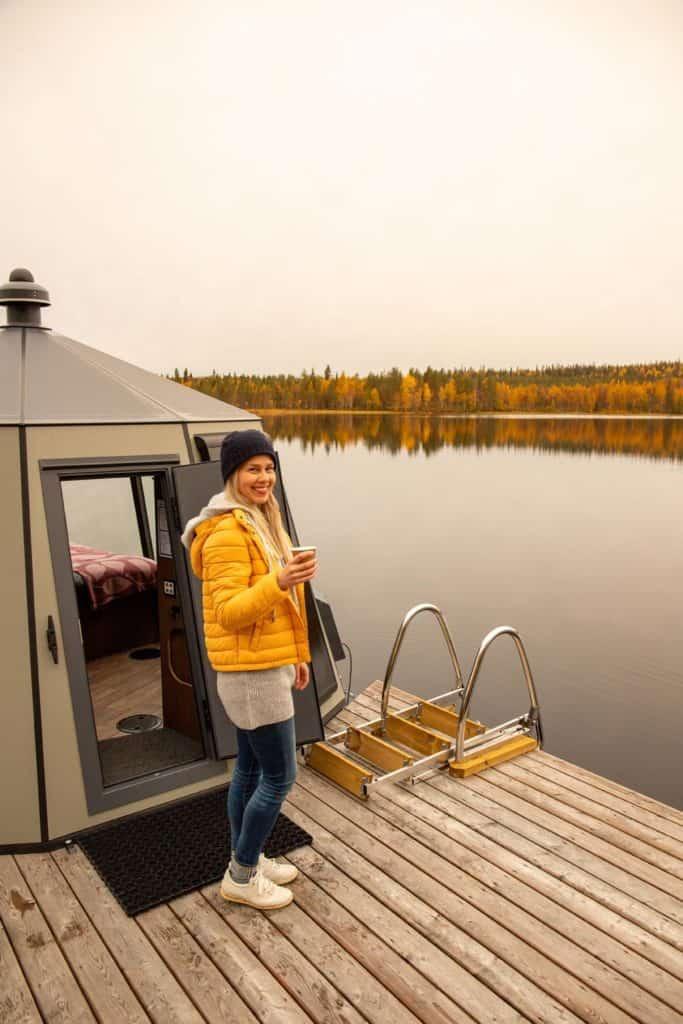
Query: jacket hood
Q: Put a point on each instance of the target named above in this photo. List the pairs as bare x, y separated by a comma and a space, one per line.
198, 529
218, 505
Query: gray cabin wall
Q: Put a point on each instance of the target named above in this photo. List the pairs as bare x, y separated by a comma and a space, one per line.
19, 807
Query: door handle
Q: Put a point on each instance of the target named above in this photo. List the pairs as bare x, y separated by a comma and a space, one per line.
51, 635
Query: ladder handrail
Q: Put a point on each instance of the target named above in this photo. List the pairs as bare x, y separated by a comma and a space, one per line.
534, 713
414, 611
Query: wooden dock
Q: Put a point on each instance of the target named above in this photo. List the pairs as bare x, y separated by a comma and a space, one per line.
536, 891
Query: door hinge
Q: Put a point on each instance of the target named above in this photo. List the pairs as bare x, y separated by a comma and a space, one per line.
52, 639
207, 713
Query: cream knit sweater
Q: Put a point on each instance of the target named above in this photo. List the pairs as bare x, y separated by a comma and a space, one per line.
261, 697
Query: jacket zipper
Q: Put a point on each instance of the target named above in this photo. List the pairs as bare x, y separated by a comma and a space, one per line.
257, 540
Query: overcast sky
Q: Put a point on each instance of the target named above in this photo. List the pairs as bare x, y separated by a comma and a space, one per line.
267, 185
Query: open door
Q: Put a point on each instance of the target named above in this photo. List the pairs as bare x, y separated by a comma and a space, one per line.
194, 485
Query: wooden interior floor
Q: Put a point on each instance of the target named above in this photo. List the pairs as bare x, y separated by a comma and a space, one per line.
121, 686
536, 891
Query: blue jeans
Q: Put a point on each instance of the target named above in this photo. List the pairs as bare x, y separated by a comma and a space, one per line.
264, 773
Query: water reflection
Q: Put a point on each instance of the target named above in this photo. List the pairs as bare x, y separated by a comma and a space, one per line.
394, 432
567, 529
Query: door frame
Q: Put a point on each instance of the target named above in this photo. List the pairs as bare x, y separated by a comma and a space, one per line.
98, 796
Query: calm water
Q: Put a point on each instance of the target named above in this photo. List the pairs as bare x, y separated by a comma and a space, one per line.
569, 530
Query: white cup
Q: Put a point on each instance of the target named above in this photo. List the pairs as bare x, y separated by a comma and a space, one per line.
304, 549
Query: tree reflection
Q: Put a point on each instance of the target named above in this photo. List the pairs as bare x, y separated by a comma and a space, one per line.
395, 432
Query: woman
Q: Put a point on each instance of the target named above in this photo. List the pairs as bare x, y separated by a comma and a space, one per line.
256, 637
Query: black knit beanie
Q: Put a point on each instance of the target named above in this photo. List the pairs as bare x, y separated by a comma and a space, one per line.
241, 445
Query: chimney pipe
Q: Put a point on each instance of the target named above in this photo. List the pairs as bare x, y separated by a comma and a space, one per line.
23, 298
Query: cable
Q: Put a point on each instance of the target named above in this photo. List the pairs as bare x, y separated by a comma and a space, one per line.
348, 686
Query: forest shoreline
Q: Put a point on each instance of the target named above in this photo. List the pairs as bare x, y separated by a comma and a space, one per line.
549, 415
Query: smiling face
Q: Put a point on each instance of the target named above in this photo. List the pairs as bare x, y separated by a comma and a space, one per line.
255, 479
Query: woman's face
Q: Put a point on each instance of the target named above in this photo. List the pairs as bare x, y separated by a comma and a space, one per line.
256, 479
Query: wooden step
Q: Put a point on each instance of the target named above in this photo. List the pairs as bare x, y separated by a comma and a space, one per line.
446, 720
335, 766
376, 750
414, 736
504, 751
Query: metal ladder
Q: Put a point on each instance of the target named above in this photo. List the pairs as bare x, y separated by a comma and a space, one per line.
430, 735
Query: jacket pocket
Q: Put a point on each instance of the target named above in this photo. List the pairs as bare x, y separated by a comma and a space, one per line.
255, 638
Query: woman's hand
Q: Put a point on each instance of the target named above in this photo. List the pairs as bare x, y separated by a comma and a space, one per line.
302, 676
299, 569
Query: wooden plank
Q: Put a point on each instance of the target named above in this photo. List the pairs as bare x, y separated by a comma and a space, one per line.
262, 993
479, 982
374, 707
432, 852
544, 780
332, 899
562, 824
374, 692
210, 990
342, 720
369, 707
599, 797
638, 881
376, 750
54, 987
586, 925
98, 974
662, 866
434, 716
411, 735
446, 720
334, 765
533, 984
599, 782
573, 844
118, 684
371, 696
308, 985
540, 923
509, 831
155, 986
503, 751
321, 948
17, 1005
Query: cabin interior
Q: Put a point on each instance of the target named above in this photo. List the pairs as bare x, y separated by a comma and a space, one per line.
131, 622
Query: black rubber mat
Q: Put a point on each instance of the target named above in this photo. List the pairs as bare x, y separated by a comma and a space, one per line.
139, 753
154, 857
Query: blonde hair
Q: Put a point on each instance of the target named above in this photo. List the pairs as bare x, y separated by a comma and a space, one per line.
267, 518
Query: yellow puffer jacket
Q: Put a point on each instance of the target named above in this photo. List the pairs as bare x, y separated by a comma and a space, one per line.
249, 621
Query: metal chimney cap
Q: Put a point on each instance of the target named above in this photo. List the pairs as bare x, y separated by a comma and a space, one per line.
22, 289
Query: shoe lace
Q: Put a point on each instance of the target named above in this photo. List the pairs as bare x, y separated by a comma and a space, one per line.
264, 885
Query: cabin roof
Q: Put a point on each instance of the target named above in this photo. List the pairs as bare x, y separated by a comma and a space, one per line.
46, 378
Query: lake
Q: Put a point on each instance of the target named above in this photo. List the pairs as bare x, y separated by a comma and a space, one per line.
567, 528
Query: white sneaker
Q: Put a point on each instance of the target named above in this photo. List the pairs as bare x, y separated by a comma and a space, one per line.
258, 892
282, 874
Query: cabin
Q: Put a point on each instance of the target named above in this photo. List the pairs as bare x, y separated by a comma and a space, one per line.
109, 703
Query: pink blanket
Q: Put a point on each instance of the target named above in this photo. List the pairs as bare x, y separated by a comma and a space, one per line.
108, 576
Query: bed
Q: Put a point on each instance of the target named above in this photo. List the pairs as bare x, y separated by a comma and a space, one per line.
116, 596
